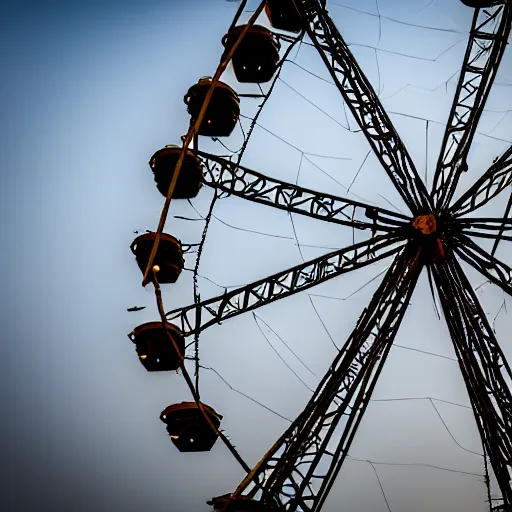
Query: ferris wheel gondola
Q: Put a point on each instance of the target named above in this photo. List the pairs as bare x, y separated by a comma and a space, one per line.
163, 164
222, 112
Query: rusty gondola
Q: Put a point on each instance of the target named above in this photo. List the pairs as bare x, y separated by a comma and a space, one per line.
222, 112
155, 350
169, 256
256, 58
190, 179
187, 427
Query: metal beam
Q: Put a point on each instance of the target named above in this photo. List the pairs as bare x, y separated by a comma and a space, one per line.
298, 471
197, 317
234, 179
494, 181
483, 365
503, 227
365, 106
487, 41
492, 224
489, 266
493, 228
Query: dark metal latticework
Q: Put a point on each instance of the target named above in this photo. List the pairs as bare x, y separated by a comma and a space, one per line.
297, 473
487, 41
236, 180
483, 366
305, 461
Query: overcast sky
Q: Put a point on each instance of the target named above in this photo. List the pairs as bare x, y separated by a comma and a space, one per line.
89, 92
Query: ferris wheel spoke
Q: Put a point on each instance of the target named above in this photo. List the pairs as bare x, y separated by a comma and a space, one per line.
497, 237
492, 228
491, 267
240, 181
318, 441
197, 317
488, 38
506, 225
494, 181
488, 224
497, 229
483, 365
364, 104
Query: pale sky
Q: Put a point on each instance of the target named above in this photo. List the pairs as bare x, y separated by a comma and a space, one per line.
89, 93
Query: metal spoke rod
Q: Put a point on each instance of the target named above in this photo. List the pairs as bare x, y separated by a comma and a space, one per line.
487, 42
298, 471
198, 317
234, 179
365, 105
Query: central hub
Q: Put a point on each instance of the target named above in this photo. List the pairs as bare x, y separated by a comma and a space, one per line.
425, 224
430, 237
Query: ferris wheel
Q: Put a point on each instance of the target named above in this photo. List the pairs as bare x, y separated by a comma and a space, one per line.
440, 232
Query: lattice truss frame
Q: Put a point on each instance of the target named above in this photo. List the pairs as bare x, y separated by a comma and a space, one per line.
299, 470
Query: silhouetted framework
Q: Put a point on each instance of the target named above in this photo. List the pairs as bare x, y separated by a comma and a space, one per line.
483, 366
496, 179
487, 41
365, 106
198, 317
233, 179
298, 471
491, 227
495, 270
